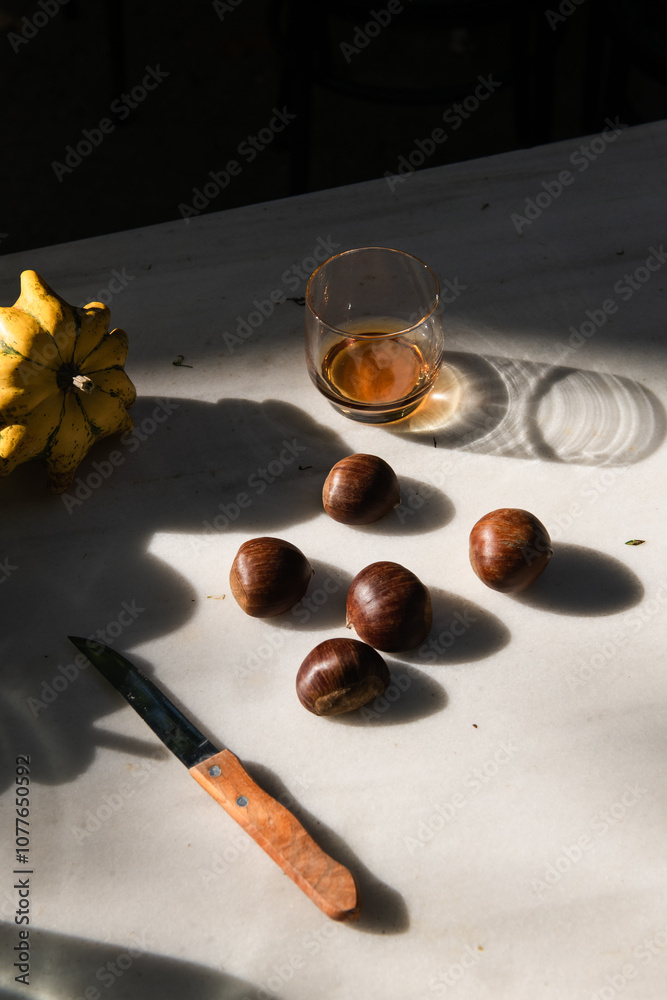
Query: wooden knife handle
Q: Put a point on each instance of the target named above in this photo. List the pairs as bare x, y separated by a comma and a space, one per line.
330, 885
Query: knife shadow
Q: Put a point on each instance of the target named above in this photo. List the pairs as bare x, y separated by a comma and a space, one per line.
383, 909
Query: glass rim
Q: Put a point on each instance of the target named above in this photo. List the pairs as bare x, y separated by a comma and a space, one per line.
373, 336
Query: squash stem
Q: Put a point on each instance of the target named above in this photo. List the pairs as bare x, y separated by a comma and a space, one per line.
83, 382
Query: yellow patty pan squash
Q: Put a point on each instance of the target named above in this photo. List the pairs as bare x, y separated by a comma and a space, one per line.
62, 384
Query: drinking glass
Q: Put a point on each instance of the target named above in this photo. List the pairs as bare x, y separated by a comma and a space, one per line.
374, 336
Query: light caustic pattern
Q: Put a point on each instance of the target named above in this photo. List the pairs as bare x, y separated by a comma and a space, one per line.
504, 406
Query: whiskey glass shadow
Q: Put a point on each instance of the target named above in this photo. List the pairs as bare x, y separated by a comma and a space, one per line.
524, 409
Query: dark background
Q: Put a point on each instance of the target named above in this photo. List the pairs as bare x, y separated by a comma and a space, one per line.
565, 65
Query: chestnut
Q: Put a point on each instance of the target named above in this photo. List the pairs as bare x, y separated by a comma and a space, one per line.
360, 489
268, 576
389, 607
509, 548
340, 675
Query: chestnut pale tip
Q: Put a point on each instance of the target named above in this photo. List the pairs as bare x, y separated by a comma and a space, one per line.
340, 675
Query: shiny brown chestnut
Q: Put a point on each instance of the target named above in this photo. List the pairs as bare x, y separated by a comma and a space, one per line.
509, 548
360, 489
268, 576
340, 675
389, 607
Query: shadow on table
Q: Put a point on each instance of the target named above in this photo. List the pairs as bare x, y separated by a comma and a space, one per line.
410, 695
79, 563
422, 508
462, 632
525, 409
323, 605
582, 581
383, 909
66, 966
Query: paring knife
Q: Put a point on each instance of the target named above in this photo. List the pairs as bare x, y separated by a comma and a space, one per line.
330, 885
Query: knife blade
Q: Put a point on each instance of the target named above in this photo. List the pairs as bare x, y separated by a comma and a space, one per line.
327, 883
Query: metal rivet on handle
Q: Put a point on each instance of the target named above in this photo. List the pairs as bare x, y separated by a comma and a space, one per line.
242, 801
214, 771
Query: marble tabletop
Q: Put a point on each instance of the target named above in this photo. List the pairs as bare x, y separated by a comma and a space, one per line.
503, 807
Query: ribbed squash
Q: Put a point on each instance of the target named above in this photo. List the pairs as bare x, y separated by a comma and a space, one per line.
62, 384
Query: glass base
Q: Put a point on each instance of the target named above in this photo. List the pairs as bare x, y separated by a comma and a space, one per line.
376, 416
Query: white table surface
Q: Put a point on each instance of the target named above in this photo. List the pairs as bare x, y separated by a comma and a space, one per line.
505, 814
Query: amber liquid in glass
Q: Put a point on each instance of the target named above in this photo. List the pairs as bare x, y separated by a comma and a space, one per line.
379, 369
